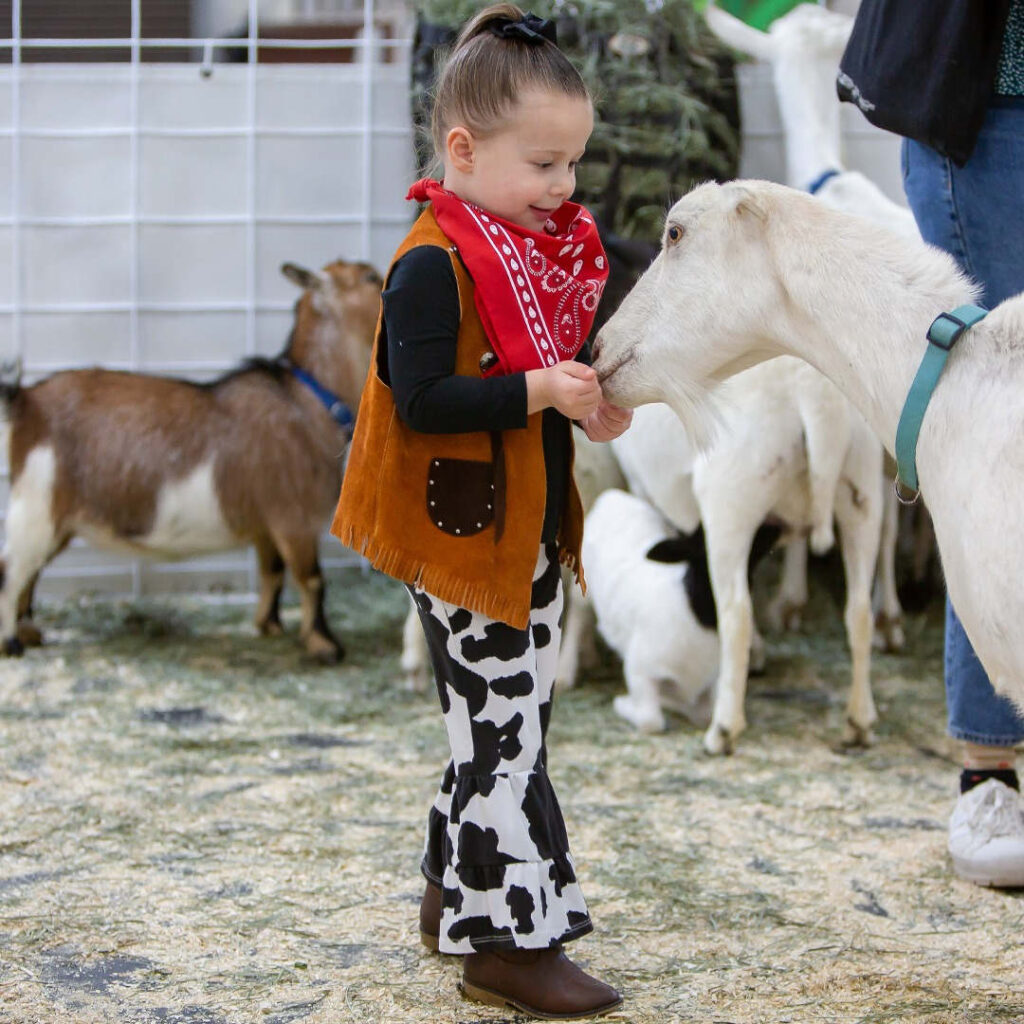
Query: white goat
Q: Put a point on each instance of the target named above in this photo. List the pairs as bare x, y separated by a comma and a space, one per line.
655, 459
804, 48
791, 451
752, 270
655, 463
658, 460
650, 612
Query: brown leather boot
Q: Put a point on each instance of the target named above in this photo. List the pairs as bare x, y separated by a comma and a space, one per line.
544, 983
430, 916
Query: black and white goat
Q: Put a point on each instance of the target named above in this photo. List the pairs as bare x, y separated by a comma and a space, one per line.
651, 593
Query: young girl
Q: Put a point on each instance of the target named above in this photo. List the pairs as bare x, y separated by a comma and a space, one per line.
459, 483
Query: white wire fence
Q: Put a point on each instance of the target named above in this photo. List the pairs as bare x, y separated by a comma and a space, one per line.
148, 207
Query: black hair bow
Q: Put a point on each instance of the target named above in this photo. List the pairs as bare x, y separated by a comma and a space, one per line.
529, 28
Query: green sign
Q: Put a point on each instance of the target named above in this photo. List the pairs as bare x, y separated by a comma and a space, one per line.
759, 13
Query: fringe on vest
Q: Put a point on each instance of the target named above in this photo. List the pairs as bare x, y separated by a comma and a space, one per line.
445, 583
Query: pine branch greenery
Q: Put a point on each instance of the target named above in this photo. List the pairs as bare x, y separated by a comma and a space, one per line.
664, 92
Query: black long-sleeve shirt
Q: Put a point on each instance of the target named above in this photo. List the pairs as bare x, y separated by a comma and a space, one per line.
419, 333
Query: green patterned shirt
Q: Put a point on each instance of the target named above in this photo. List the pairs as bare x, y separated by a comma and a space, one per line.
1010, 79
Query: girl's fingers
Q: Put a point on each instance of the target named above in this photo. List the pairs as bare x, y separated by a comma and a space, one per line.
579, 370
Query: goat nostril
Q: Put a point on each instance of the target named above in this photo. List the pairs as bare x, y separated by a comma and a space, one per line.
595, 349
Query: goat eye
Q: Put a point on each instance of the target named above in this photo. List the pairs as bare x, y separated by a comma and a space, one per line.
675, 233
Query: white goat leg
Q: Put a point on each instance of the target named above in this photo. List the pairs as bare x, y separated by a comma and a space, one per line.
827, 438
414, 661
858, 514
727, 565
888, 634
30, 541
785, 610
642, 705
577, 644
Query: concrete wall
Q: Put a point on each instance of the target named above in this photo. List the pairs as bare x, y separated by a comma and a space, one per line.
143, 227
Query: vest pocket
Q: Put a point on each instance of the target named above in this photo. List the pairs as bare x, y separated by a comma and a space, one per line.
460, 495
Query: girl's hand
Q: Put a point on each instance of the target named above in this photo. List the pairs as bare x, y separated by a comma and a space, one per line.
570, 387
607, 422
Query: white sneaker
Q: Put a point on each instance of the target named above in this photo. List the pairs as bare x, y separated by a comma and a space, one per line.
986, 835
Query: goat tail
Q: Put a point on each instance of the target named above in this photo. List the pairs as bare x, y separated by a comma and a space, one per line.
10, 384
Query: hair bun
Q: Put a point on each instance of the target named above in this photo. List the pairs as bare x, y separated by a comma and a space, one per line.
529, 28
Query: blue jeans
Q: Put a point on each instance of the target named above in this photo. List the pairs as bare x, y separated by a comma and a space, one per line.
976, 214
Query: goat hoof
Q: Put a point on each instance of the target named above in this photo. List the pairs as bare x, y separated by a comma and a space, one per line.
324, 651
270, 628
717, 741
29, 634
646, 723
13, 647
416, 680
888, 635
784, 617
855, 735
896, 640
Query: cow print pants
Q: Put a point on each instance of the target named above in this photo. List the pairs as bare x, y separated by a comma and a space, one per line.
496, 841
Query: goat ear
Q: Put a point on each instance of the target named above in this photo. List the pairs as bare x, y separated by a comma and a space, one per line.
305, 279
672, 550
747, 203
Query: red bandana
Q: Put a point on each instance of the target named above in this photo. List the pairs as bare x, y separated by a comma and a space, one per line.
536, 292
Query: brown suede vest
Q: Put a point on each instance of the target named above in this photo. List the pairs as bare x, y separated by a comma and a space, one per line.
460, 515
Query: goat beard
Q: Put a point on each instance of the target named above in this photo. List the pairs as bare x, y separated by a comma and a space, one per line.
699, 410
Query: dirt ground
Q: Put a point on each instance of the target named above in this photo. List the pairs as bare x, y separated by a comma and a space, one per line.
199, 827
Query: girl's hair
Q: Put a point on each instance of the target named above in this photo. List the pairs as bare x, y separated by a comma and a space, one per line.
485, 75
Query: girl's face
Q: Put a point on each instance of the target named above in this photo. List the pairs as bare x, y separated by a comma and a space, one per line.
525, 169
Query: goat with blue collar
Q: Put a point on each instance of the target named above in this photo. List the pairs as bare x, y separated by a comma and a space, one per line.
165, 469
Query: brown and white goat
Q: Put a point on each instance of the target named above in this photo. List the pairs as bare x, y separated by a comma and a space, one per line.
166, 468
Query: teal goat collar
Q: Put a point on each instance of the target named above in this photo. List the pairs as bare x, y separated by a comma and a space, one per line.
943, 334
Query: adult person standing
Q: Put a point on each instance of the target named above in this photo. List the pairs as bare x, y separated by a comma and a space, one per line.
950, 80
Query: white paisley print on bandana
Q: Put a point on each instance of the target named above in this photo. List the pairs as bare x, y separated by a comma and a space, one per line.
577, 292
536, 291
565, 333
